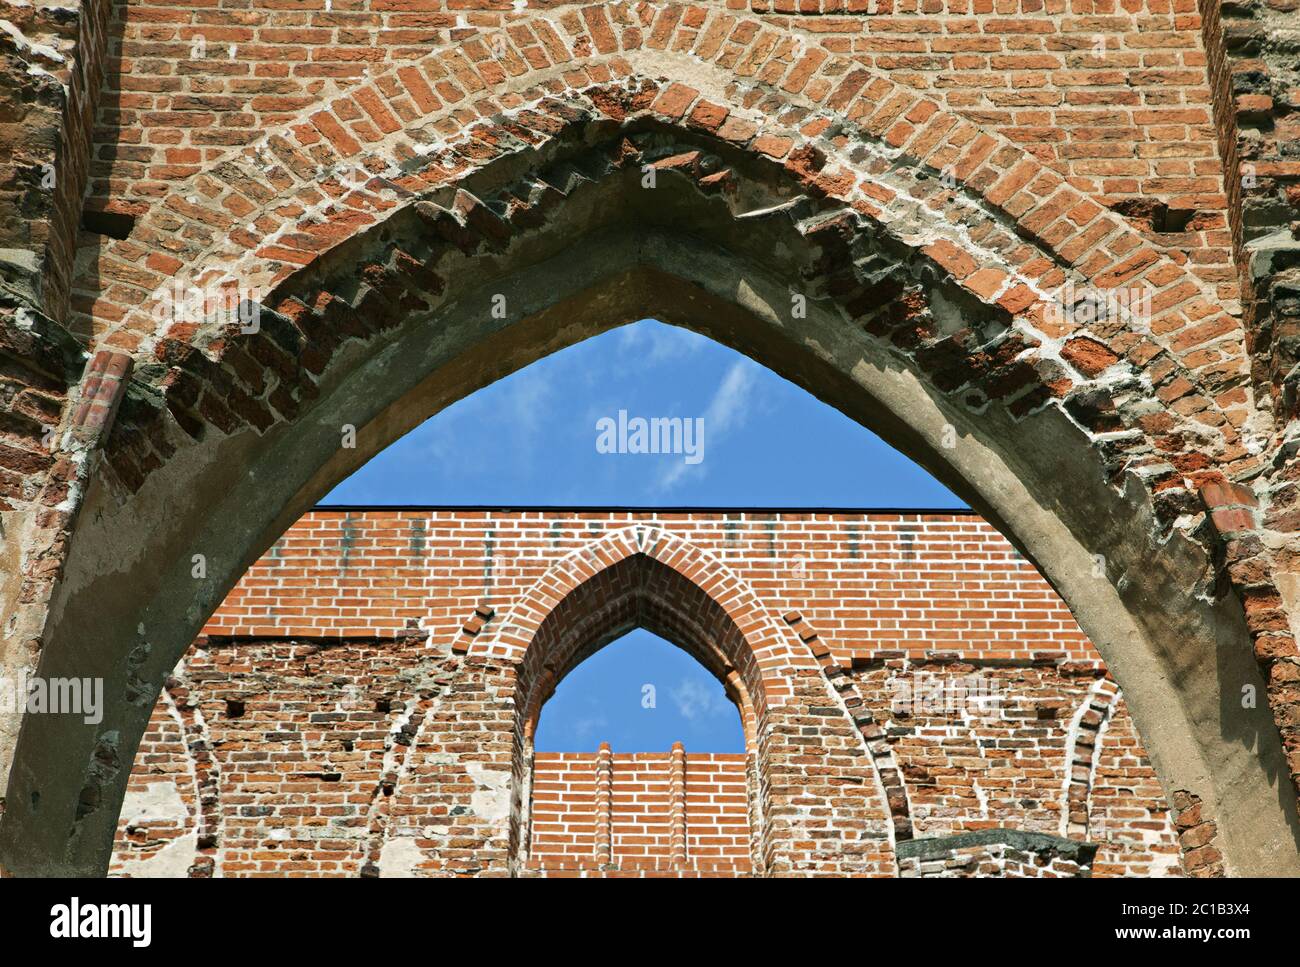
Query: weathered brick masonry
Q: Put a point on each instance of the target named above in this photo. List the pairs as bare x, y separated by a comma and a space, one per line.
933, 214
297, 736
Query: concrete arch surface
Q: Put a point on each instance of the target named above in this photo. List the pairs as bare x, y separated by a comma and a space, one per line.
217, 449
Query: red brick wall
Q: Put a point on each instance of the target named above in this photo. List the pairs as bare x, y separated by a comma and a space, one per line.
715, 812
325, 724
870, 583
1113, 95
296, 734
1126, 799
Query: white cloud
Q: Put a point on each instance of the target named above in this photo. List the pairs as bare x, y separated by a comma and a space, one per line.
696, 700
514, 415
730, 407
585, 728
650, 342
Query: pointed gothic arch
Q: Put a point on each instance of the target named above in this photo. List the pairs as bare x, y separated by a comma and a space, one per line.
925, 317
770, 651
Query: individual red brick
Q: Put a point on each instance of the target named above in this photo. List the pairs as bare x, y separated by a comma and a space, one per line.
1088, 356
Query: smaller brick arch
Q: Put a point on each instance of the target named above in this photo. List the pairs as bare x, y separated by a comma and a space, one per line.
644, 576
638, 592
1089, 723
775, 653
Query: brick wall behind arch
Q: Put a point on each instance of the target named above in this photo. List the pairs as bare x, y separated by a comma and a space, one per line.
282, 744
870, 583
715, 813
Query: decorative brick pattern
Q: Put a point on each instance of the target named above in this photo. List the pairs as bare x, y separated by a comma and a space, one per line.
101, 392
1118, 102
1092, 716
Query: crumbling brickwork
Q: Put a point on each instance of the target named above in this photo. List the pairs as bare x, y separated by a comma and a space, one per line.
308, 731
1255, 79
53, 60
1001, 855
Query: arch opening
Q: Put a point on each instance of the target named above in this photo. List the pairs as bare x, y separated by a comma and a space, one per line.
640, 592
639, 693
662, 830
658, 795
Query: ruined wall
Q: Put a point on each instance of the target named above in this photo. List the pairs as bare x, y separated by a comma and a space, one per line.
1021, 856
52, 59
276, 750
1059, 757
52, 66
329, 706
1010, 150
1255, 75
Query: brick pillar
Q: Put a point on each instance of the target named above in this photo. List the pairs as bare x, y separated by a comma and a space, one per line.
677, 805
604, 785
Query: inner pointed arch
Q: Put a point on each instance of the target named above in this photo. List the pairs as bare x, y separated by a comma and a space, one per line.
640, 592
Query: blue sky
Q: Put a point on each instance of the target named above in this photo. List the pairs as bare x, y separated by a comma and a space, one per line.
639, 694
759, 435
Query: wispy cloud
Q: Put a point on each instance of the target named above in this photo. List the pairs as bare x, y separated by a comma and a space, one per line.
650, 342
696, 700
730, 407
516, 410
589, 727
